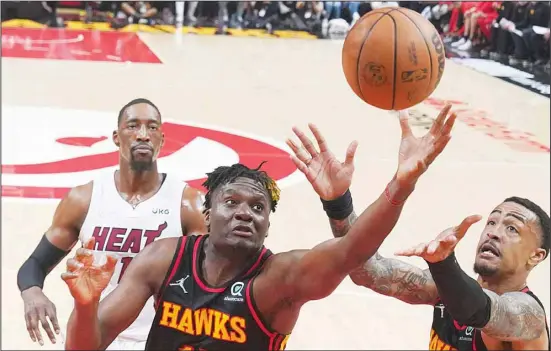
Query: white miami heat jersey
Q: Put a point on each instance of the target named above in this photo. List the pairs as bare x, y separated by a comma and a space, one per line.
123, 231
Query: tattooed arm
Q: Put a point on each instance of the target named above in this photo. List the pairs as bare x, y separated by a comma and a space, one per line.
388, 276
394, 278
516, 317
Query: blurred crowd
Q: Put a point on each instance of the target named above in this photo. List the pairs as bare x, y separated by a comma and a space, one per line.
512, 31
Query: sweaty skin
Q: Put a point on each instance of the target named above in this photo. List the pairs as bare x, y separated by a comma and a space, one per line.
517, 321
299, 275
141, 123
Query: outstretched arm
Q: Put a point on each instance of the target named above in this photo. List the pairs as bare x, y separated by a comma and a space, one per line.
331, 180
94, 325
389, 276
511, 317
320, 270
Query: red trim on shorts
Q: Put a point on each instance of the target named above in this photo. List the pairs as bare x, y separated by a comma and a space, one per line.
196, 277
474, 339
172, 272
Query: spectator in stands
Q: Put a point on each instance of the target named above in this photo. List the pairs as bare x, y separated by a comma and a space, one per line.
537, 14
478, 17
500, 39
139, 11
456, 30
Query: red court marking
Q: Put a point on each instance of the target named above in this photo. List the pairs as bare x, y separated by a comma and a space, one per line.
251, 153
79, 45
481, 121
80, 141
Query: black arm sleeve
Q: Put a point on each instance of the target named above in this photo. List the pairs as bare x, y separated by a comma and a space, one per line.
465, 300
35, 269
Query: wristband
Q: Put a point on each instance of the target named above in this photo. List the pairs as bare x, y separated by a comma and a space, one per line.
339, 208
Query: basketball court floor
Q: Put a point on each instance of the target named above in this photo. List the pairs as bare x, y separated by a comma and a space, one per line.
229, 99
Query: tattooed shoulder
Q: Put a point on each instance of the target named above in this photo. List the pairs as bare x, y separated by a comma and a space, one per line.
514, 316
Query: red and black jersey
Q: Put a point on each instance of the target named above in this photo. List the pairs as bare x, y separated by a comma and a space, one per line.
447, 334
191, 315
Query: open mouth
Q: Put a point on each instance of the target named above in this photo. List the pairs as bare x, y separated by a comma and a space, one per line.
489, 250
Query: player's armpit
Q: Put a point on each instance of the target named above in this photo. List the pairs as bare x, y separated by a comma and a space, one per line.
193, 218
392, 277
516, 317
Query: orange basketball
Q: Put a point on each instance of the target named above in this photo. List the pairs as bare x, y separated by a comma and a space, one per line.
393, 58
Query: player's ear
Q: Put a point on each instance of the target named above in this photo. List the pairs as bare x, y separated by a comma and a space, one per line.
207, 219
116, 138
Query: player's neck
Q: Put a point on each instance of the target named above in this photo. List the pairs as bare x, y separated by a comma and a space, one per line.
137, 182
220, 266
501, 285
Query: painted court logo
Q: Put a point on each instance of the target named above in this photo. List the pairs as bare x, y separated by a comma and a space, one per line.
48, 151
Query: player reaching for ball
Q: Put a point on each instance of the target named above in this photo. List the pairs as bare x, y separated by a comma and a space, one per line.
216, 292
495, 312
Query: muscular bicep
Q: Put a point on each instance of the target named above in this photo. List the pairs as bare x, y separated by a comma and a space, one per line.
142, 279
515, 317
394, 278
316, 273
192, 216
68, 218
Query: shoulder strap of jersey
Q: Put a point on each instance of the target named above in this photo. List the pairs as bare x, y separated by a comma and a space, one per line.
183, 243
529, 292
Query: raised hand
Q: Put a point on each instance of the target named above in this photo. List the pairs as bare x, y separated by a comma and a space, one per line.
416, 154
329, 177
85, 279
438, 249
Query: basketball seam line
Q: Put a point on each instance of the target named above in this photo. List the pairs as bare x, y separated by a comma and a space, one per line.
426, 44
361, 49
395, 63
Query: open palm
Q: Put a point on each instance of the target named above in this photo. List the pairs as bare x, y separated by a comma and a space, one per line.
329, 177
443, 245
86, 280
416, 154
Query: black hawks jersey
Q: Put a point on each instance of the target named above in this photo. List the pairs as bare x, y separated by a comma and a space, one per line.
191, 315
447, 334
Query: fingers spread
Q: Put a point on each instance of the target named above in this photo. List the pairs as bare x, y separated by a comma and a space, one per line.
466, 224
439, 121
404, 124
319, 138
300, 153
308, 145
351, 152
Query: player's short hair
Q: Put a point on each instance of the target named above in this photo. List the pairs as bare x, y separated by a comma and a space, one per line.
227, 174
543, 219
135, 102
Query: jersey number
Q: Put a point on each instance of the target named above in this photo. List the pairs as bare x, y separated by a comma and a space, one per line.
125, 262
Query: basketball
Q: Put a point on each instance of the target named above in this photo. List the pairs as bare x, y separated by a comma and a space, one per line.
393, 58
